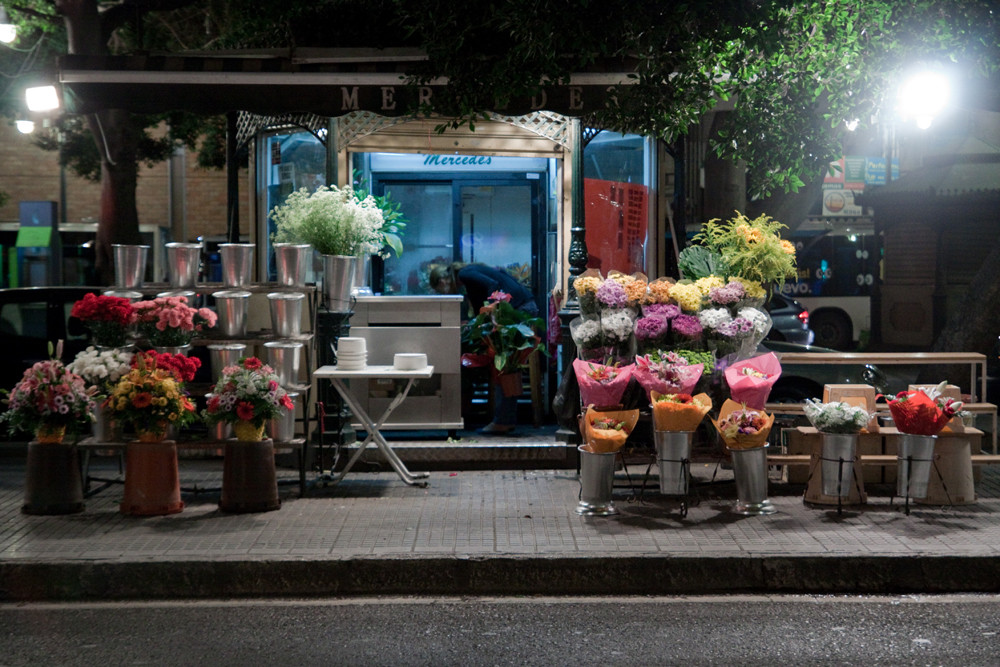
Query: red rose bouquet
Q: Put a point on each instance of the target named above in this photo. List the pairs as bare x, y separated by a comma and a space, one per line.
923, 411
107, 317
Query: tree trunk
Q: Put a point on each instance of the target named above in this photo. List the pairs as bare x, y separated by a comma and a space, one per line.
973, 326
117, 136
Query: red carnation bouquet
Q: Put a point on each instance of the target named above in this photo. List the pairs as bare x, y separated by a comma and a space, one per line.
107, 317
600, 385
923, 411
181, 367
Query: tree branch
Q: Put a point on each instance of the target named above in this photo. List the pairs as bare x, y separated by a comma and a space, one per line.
116, 16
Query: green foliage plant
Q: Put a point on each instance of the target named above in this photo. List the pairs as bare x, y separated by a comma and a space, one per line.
750, 249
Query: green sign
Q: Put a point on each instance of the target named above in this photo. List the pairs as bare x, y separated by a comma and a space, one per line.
34, 237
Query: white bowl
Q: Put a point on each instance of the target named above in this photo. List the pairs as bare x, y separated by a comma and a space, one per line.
409, 361
351, 344
352, 365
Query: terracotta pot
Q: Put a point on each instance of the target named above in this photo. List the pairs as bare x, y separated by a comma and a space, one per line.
152, 482
50, 434
247, 432
511, 384
249, 482
53, 483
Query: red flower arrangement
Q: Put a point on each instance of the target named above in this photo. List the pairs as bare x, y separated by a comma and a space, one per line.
107, 317
922, 411
181, 367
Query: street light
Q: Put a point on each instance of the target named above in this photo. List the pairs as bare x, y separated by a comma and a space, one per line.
25, 126
8, 31
42, 98
923, 96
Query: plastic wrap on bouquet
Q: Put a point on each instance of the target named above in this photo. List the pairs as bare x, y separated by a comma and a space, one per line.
601, 385
750, 381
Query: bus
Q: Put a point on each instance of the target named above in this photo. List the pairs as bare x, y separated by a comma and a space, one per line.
838, 264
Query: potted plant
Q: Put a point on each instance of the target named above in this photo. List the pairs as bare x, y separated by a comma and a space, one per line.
48, 401
247, 396
168, 323
107, 317
339, 225
102, 369
503, 337
151, 398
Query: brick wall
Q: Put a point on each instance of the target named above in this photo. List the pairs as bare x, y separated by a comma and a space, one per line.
28, 173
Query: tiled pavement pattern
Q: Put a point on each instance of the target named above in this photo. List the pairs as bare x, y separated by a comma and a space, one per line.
492, 531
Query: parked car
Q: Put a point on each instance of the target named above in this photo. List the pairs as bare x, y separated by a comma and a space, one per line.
789, 321
801, 381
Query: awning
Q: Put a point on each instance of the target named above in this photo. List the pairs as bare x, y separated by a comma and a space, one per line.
332, 85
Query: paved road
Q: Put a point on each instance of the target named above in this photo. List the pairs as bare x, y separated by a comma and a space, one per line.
743, 630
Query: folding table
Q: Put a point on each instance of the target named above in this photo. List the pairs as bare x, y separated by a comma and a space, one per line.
337, 377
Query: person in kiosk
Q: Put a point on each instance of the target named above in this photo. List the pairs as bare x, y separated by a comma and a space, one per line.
478, 282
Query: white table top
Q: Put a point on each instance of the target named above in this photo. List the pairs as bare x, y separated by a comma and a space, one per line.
387, 372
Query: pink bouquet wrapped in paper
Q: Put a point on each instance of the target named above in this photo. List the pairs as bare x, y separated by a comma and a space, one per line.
750, 381
672, 375
601, 386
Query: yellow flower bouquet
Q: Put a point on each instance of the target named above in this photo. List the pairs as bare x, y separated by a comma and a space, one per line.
151, 397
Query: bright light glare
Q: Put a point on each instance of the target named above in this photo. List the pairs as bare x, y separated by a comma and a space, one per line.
42, 98
8, 32
25, 126
851, 125
923, 96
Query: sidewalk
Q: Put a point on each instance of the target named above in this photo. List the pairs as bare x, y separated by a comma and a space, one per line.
491, 532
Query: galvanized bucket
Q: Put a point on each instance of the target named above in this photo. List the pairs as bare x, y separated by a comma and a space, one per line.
224, 354
232, 307
292, 262
237, 263
282, 428
130, 265
914, 459
837, 463
286, 313
183, 263
673, 457
338, 281
750, 473
597, 476
283, 357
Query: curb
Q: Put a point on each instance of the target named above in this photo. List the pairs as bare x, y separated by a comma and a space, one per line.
471, 575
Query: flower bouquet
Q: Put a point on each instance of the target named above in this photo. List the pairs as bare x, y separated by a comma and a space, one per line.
170, 322
750, 381
741, 427
48, 401
670, 374
101, 368
151, 395
601, 385
247, 396
107, 317
606, 431
923, 411
836, 416
334, 221
750, 249
678, 412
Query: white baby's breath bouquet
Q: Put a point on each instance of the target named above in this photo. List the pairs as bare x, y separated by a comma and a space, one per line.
836, 417
101, 368
334, 221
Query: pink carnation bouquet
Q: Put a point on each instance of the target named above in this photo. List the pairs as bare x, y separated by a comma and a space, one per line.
170, 322
600, 385
671, 375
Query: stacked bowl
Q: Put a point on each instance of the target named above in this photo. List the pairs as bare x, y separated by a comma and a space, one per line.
352, 354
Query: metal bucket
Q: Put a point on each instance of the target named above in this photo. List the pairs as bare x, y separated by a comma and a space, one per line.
232, 306
750, 473
104, 428
283, 357
837, 463
362, 276
224, 354
914, 459
597, 477
292, 262
219, 431
130, 265
282, 429
338, 281
172, 349
286, 313
237, 263
131, 295
183, 263
673, 457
